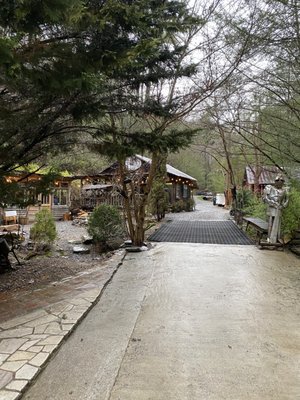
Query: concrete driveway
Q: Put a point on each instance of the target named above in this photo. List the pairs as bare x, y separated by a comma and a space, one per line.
189, 322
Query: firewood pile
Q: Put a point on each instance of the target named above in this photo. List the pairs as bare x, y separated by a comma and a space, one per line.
80, 217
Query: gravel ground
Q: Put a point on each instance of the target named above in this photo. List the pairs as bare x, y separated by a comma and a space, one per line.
204, 211
60, 263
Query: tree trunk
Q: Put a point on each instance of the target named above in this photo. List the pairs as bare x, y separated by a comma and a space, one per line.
139, 232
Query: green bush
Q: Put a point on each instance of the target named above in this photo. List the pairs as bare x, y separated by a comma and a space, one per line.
291, 214
256, 208
43, 231
245, 198
177, 206
105, 224
189, 204
183, 205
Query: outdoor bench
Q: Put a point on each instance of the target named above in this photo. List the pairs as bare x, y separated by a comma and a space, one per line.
259, 225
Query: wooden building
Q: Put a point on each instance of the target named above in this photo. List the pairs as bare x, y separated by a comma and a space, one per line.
256, 178
103, 187
57, 200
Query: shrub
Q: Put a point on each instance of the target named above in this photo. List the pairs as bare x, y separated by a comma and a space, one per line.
105, 224
256, 208
245, 198
291, 214
177, 206
43, 231
189, 204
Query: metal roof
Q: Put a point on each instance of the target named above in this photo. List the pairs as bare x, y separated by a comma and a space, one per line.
267, 174
170, 170
96, 186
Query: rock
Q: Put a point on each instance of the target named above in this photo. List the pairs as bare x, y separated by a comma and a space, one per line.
81, 250
75, 241
295, 250
128, 243
135, 249
144, 248
87, 239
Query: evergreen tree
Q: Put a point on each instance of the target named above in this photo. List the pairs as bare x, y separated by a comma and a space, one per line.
56, 58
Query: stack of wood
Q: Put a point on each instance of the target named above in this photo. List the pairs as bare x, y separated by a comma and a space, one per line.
81, 218
10, 228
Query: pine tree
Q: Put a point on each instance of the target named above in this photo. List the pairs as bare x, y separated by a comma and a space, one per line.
56, 58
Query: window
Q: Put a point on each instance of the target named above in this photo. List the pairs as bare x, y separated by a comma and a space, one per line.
178, 191
60, 197
45, 199
185, 194
30, 196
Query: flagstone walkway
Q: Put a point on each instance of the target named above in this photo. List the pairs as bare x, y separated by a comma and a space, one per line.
42, 319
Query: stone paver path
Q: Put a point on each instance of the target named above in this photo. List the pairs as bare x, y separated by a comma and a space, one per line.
27, 340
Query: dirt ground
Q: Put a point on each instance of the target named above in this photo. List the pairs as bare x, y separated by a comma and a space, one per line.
61, 262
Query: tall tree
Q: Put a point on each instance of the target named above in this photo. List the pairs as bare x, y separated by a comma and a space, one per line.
149, 115
142, 112
55, 60
272, 76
